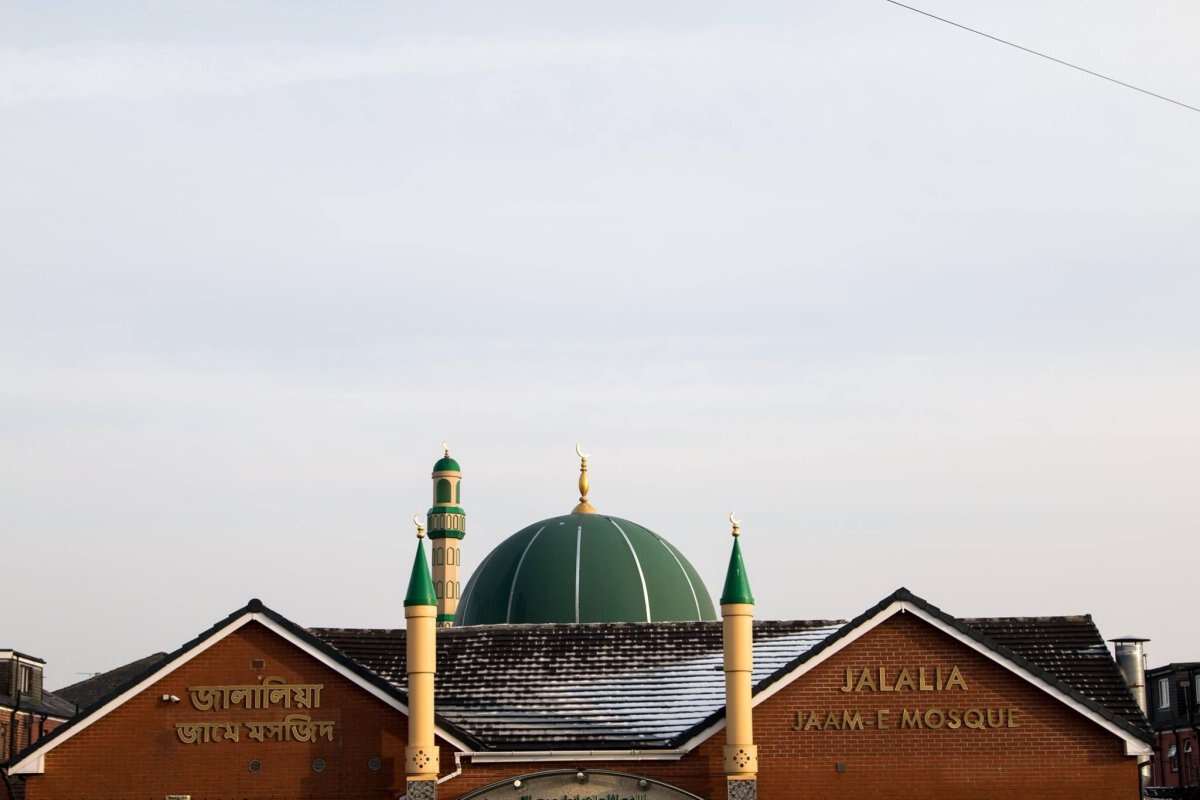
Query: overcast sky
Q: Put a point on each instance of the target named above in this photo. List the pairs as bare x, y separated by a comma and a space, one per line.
921, 308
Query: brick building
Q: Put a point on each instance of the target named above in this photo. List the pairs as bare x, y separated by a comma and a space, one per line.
586, 660
1174, 711
27, 711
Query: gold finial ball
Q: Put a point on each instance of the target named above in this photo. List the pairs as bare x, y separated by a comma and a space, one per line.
736, 523
420, 528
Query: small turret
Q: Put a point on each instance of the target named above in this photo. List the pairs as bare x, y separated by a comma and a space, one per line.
447, 526
737, 633
420, 613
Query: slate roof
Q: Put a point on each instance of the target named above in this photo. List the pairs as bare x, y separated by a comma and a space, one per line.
87, 692
640, 685
50, 705
1072, 650
580, 686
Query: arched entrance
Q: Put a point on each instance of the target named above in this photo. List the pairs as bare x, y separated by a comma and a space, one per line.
586, 784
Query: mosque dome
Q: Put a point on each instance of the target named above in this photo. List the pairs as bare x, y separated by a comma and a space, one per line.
446, 464
584, 567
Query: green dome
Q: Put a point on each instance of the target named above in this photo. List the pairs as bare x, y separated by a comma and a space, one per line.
446, 464
584, 568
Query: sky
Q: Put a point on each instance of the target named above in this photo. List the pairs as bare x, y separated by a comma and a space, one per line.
919, 307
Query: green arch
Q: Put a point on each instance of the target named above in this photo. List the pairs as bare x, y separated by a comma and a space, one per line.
444, 491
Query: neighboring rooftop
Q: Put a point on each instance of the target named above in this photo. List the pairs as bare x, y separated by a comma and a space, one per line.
87, 692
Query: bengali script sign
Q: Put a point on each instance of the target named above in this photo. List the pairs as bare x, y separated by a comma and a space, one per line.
256, 697
270, 693
293, 728
919, 716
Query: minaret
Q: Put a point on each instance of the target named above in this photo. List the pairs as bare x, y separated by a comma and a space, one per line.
737, 633
420, 650
447, 526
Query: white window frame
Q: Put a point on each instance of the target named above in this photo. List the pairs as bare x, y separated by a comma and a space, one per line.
24, 678
1164, 693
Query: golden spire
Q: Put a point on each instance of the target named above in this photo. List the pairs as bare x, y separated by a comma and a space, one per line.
445, 450
737, 525
584, 506
420, 527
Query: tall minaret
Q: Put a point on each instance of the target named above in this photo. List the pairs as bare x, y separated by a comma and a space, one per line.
447, 526
420, 657
737, 633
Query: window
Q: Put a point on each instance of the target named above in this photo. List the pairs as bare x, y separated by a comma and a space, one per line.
1172, 759
1164, 692
25, 679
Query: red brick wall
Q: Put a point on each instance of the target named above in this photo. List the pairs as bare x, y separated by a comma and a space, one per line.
1054, 751
134, 751
1185, 769
29, 728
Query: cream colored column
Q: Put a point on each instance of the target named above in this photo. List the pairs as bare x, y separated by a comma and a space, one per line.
420, 650
421, 755
737, 633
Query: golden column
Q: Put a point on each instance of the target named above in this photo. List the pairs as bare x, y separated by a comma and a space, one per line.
737, 633
420, 650
584, 506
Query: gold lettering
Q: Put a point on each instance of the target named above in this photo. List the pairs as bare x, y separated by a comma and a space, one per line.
881, 718
1012, 722
925, 685
904, 679
940, 718
955, 678
954, 719
849, 687
798, 725
998, 722
814, 722
937, 675
910, 719
974, 722
852, 720
271, 692
864, 680
883, 685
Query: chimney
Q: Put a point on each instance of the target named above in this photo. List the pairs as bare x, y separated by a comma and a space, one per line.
1131, 660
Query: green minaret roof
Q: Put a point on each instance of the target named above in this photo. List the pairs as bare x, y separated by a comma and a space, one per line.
737, 583
420, 584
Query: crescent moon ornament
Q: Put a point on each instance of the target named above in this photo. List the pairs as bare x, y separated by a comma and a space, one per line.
420, 527
736, 523
579, 451
445, 450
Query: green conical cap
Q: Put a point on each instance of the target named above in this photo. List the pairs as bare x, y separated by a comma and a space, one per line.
737, 583
420, 584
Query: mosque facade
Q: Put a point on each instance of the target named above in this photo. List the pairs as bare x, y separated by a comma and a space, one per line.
585, 659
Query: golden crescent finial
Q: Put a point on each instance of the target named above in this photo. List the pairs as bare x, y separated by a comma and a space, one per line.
445, 450
420, 526
584, 506
736, 523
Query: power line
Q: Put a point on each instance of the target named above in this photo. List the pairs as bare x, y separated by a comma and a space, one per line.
1084, 70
